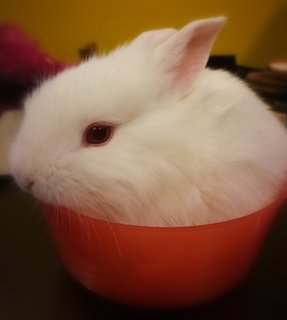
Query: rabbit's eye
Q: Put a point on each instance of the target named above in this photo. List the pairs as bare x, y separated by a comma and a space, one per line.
98, 134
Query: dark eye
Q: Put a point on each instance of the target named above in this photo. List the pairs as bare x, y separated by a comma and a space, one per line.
98, 134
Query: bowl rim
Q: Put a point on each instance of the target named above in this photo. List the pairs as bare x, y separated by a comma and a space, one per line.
279, 200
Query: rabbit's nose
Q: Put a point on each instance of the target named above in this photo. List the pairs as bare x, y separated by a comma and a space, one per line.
28, 184
25, 182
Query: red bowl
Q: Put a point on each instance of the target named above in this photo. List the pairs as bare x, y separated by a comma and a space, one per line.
159, 267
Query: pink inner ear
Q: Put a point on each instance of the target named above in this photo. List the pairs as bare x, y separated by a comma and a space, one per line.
185, 54
195, 55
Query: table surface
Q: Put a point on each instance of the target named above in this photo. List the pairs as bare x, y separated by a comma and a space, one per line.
35, 285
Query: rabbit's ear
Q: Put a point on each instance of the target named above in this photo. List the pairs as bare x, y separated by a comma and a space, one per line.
152, 38
184, 55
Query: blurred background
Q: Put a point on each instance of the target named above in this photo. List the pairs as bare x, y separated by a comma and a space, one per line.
256, 31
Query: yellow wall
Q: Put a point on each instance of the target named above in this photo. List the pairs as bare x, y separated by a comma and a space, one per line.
256, 30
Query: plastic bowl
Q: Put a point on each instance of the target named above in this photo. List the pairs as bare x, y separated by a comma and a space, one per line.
158, 267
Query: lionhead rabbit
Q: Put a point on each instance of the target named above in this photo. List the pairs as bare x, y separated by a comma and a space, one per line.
146, 135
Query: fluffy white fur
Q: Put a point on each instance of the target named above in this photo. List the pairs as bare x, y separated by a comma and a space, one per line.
191, 145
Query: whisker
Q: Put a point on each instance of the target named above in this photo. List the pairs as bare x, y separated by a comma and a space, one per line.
102, 257
115, 238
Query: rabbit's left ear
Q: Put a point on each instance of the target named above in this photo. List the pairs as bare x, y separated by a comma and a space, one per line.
185, 53
152, 38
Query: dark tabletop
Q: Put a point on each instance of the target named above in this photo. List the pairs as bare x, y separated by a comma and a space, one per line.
34, 284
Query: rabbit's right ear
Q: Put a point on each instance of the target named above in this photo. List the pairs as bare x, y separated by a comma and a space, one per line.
184, 54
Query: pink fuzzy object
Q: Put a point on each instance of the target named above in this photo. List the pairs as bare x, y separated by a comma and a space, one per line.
21, 60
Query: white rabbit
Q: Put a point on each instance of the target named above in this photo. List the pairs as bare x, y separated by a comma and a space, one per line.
148, 136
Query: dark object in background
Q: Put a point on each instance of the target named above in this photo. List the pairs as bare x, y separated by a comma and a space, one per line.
228, 62
88, 51
271, 85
